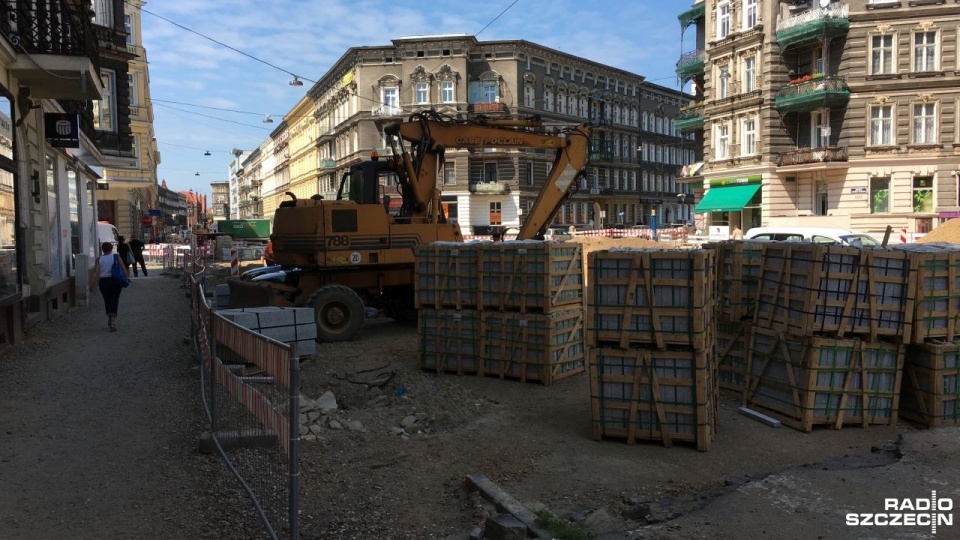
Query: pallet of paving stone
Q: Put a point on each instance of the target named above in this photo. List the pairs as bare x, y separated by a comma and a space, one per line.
654, 395
533, 347
822, 381
449, 340
937, 305
738, 278
290, 325
809, 289
930, 393
651, 297
446, 275
530, 276
732, 348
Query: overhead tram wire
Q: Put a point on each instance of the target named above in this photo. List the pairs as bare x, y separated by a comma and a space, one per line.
212, 117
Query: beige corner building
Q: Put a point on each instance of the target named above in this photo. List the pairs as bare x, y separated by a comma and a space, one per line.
636, 148
831, 113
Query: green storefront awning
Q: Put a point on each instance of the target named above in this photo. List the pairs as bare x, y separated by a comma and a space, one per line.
726, 199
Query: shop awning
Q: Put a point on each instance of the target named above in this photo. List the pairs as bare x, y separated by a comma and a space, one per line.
726, 199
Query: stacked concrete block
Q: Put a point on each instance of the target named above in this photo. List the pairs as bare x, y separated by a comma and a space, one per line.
651, 332
290, 325
508, 309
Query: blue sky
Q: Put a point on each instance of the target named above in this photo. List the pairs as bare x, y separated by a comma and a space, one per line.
306, 37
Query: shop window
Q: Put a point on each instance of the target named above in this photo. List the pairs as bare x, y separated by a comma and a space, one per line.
821, 202
923, 194
879, 195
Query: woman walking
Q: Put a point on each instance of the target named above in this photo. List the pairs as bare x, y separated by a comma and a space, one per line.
109, 287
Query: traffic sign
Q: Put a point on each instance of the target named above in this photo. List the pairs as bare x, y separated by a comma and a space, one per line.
146, 220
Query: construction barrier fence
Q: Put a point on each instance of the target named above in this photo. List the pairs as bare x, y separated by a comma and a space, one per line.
250, 387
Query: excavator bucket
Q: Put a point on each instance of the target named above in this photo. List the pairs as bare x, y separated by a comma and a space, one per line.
244, 294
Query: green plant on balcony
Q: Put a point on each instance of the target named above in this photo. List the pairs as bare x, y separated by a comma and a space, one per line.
692, 106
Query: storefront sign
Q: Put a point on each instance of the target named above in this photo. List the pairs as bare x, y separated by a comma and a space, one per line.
719, 232
949, 215
62, 130
651, 201
740, 181
146, 221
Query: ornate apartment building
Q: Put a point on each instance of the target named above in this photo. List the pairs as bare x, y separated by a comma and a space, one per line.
824, 112
635, 154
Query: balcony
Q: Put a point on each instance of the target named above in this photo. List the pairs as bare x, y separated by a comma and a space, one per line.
328, 164
486, 108
57, 52
816, 93
693, 14
690, 65
490, 188
690, 120
813, 26
803, 156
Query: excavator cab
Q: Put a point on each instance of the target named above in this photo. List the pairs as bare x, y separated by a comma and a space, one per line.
362, 183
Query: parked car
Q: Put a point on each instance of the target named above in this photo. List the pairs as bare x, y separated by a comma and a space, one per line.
558, 233
817, 235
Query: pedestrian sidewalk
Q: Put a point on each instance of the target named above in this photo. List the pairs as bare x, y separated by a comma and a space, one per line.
98, 430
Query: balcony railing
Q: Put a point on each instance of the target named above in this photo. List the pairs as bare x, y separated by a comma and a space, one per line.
490, 188
829, 92
387, 110
49, 27
690, 64
690, 120
495, 107
801, 156
738, 150
813, 25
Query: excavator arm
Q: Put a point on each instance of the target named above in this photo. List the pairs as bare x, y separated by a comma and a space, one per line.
429, 135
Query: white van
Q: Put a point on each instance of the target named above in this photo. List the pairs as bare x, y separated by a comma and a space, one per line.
106, 232
817, 235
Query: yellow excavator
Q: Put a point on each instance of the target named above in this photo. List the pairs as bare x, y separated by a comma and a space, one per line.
358, 251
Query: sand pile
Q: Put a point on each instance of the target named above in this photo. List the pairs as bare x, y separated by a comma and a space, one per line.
948, 232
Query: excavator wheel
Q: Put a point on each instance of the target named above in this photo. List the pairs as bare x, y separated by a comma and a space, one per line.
339, 313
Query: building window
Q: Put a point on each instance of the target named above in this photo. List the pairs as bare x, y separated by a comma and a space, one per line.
528, 95
820, 128
489, 91
749, 14
449, 173
496, 214
422, 93
528, 173
881, 55
723, 82
128, 28
103, 109
134, 94
388, 98
490, 172
723, 20
925, 123
561, 103
722, 145
749, 74
820, 199
103, 13
879, 195
548, 100
881, 125
446, 91
748, 137
925, 51
923, 194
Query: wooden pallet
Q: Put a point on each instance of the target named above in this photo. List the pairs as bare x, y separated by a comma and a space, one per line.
808, 381
449, 340
732, 348
930, 395
809, 289
446, 276
529, 276
651, 297
937, 312
738, 278
533, 347
654, 395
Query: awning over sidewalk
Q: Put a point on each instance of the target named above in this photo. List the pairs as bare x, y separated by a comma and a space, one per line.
726, 199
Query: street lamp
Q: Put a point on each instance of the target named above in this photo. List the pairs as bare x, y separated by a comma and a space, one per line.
682, 197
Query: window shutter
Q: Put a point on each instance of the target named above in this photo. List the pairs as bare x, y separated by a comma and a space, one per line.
475, 94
